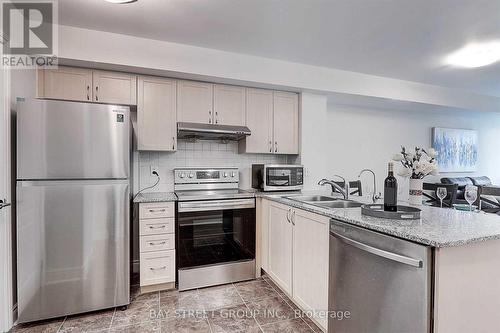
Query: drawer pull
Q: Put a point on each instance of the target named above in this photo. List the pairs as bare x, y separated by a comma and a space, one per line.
162, 257
158, 268
163, 226
157, 210
159, 243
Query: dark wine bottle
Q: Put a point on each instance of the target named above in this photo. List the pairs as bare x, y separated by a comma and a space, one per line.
391, 191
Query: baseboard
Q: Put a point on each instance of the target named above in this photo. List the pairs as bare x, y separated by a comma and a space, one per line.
157, 287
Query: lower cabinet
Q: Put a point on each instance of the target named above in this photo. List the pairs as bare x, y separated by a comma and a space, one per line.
280, 246
295, 246
157, 245
157, 268
311, 237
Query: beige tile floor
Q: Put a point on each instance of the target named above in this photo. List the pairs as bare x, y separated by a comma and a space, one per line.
252, 306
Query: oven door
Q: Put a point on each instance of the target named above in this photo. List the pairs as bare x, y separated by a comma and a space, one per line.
215, 231
280, 178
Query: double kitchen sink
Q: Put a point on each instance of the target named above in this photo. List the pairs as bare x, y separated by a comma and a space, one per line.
325, 201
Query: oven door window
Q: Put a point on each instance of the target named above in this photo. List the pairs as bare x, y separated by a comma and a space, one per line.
212, 237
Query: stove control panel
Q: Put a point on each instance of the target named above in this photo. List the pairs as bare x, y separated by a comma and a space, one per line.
206, 175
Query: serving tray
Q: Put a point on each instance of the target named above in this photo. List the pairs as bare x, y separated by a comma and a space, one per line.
403, 212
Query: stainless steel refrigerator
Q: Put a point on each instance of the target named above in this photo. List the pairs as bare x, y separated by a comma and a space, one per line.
73, 211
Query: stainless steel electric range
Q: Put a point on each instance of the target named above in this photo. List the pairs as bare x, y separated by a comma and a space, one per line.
215, 228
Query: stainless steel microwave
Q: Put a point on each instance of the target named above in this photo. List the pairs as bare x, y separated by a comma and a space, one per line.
277, 177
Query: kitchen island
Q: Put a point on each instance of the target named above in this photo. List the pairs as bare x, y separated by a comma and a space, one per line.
464, 288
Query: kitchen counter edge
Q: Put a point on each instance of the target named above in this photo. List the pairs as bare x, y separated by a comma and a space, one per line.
155, 197
433, 235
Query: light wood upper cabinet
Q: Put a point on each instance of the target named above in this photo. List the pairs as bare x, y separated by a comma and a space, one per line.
259, 119
156, 114
66, 83
86, 85
280, 246
200, 102
194, 102
286, 123
273, 119
310, 262
229, 105
114, 88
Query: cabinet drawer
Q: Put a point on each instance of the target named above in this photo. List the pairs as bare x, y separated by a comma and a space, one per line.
156, 209
157, 267
156, 226
157, 243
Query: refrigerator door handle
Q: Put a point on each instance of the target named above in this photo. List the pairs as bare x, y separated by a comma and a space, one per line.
378, 252
53, 182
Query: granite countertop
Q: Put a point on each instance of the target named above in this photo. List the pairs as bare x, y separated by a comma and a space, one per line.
437, 227
155, 197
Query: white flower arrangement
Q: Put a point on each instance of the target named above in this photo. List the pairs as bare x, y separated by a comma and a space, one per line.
418, 165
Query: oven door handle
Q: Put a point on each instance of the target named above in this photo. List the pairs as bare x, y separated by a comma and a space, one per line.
200, 206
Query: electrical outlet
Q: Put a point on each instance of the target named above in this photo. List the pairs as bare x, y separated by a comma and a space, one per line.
152, 169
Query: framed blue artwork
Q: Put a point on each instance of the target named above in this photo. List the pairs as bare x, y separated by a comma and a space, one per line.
457, 149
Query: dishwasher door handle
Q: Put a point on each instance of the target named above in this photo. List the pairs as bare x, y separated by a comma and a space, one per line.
379, 252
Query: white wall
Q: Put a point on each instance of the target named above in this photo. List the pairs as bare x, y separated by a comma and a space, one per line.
363, 137
314, 140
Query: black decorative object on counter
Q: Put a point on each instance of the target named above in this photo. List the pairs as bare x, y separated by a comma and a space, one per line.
401, 213
390, 190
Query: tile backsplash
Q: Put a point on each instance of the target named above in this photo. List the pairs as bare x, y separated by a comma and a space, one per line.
197, 154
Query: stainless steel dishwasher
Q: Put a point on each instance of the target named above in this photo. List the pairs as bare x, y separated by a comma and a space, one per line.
384, 282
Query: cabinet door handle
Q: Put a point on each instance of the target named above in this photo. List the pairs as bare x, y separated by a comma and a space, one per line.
158, 268
216, 117
173, 143
288, 215
293, 218
275, 146
96, 93
88, 93
270, 146
209, 116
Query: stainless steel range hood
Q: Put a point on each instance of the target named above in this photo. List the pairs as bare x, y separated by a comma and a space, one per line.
211, 132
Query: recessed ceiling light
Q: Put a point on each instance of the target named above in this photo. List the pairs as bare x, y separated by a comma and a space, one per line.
121, 1
475, 55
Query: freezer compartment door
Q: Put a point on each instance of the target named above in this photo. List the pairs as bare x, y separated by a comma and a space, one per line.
71, 140
384, 282
73, 247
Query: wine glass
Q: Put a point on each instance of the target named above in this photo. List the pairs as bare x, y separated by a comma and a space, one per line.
441, 194
470, 195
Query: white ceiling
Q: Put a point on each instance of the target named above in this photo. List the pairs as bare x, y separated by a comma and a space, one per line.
404, 39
